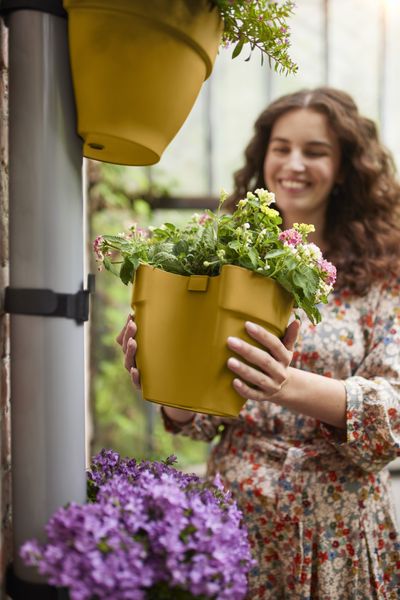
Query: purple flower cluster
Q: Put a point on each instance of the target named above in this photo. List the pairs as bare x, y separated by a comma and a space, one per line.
150, 527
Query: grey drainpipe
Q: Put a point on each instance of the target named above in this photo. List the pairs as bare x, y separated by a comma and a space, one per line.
46, 253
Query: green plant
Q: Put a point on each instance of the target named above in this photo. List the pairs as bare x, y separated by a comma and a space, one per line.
249, 238
260, 24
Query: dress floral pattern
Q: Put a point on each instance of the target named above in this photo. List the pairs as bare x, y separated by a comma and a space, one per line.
316, 499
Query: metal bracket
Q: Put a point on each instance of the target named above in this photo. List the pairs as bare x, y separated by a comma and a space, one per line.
53, 7
46, 303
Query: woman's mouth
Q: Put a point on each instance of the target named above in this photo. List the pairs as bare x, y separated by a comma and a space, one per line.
293, 184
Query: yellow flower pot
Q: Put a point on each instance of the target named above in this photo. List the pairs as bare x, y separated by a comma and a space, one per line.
137, 69
183, 324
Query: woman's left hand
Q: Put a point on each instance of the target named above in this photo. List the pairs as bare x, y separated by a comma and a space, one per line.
265, 372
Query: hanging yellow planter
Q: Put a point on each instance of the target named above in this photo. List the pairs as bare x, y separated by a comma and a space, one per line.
183, 324
137, 69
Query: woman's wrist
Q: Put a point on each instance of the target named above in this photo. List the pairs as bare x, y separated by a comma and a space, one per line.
322, 398
179, 415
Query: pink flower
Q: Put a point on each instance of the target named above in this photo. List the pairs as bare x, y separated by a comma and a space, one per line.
97, 247
328, 271
136, 231
204, 218
290, 237
144, 233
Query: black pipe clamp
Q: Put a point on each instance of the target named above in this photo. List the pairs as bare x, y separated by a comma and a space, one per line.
46, 303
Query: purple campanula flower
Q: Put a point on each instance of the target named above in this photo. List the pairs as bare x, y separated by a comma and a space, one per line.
149, 525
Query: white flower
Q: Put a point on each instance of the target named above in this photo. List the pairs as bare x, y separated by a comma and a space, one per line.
312, 251
293, 249
223, 195
324, 289
265, 196
246, 226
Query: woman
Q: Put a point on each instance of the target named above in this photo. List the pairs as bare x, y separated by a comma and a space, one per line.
306, 458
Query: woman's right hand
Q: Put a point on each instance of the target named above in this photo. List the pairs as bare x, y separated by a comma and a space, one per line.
126, 339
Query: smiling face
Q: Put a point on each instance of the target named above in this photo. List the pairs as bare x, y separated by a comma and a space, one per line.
301, 165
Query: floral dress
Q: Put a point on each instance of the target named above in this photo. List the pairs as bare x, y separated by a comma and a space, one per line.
316, 499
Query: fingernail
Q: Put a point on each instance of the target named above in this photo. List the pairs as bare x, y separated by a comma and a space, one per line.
232, 362
251, 326
234, 342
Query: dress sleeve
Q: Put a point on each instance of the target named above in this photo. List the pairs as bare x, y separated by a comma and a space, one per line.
201, 427
372, 439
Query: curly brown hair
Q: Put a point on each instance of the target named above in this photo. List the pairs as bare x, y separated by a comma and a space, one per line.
362, 227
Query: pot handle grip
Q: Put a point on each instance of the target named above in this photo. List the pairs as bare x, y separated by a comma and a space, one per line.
198, 283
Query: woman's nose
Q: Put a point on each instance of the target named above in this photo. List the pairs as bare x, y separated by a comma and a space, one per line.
296, 161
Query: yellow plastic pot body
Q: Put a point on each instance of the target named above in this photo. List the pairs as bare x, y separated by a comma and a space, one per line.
137, 70
183, 326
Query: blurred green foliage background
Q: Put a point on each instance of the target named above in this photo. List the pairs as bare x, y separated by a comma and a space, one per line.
121, 419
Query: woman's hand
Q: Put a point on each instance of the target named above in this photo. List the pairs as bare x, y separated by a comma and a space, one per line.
268, 370
126, 339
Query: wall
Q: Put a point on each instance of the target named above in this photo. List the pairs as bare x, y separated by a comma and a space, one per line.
5, 438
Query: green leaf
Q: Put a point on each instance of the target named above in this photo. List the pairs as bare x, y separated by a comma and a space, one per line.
253, 255
274, 253
170, 226
307, 281
111, 266
235, 245
245, 261
116, 239
238, 48
126, 272
91, 490
181, 247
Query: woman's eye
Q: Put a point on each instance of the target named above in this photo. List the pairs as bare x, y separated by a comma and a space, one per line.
315, 153
280, 150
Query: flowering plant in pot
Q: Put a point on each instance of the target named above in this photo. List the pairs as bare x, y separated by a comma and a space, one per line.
148, 531
250, 237
197, 284
128, 58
